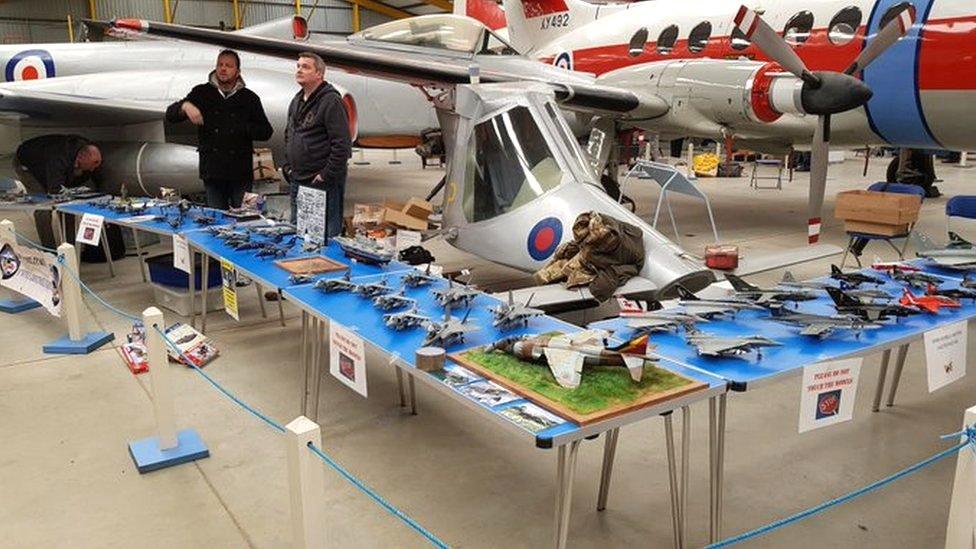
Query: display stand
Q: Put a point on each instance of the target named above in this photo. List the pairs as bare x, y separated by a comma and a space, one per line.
168, 447
75, 343
306, 477
10, 302
671, 180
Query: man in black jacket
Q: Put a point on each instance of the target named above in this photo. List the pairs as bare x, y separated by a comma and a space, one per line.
229, 119
317, 140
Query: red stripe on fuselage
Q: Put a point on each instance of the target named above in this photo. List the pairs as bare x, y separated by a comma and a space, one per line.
947, 59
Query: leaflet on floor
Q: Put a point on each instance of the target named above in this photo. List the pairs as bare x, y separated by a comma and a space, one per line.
181, 253
90, 229
228, 274
32, 273
347, 357
828, 393
945, 354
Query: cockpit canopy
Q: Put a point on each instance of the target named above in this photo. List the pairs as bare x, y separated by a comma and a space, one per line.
454, 33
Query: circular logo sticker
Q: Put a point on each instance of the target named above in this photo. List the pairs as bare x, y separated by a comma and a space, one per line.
29, 65
564, 61
544, 238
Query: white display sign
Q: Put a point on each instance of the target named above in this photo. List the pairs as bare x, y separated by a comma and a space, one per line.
90, 229
310, 217
405, 239
32, 273
828, 393
945, 354
347, 358
181, 253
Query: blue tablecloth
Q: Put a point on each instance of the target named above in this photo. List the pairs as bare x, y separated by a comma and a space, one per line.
156, 226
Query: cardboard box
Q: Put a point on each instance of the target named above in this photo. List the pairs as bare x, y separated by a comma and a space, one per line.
392, 213
877, 207
421, 209
883, 229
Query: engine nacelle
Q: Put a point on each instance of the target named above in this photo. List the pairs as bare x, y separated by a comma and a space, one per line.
145, 167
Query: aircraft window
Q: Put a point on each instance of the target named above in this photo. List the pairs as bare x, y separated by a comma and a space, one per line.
893, 11
509, 165
445, 32
798, 28
637, 42
666, 40
739, 40
844, 25
496, 46
698, 37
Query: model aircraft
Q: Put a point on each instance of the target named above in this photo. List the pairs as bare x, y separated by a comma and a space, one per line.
822, 326
893, 266
952, 293
450, 330
406, 319
373, 289
568, 354
967, 282
510, 314
929, 303
845, 304
273, 250
417, 278
958, 254
790, 281
854, 279
117, 92
916, 279
454, 295
661, 321
865, 294
301, 278
388, 302
752, 292
712, 307
723, 346
344, 284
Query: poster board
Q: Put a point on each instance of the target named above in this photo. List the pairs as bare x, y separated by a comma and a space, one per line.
310, 216
32, 273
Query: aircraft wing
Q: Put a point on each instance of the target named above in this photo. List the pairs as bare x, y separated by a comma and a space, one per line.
566, 366
414, 66
818, 330
954, 261
715, 347
47, 108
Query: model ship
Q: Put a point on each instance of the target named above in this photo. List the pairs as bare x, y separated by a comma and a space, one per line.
365, 250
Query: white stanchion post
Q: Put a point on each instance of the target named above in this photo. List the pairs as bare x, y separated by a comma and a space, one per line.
306, 479
962, 159
162, 389
71, 303
691, 160
961, 529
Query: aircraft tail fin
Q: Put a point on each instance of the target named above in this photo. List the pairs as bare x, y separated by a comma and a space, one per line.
835, 270
535, 23
956, 240
635, 365
486, 11
840, 298
738, 284
788, 277
636, 346
685, 293
285, 28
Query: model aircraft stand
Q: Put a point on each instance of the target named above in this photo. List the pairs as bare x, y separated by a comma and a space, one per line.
320, 309
797, 352
671, 180
13, 303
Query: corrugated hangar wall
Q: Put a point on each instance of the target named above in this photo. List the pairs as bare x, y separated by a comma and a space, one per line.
40, 21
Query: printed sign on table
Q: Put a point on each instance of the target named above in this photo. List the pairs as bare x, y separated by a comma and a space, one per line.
181, 253
228, 275
32, 273
90, 229
347, 358
310, 218
945, 354
828, 393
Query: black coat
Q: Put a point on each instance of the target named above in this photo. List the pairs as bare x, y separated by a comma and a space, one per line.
317, 140
230, 127
51, 160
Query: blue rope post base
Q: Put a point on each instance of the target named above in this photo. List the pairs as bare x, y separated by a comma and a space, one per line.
13, 306
88, 343
149, 457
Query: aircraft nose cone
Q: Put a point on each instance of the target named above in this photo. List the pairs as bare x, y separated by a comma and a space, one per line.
836, 93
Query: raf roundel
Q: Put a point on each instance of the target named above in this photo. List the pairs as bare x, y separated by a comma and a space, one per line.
564, 61
29, 65
544, 238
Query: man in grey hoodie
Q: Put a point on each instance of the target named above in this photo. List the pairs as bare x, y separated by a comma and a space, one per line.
229, 119
317, 140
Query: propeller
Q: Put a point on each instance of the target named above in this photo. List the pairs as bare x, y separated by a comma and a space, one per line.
823, 93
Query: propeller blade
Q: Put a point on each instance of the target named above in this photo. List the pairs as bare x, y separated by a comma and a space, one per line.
819, 150
884, 39
772, 44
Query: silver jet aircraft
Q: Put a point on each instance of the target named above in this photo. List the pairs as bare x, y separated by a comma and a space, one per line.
822, 326
958, 254
722, 346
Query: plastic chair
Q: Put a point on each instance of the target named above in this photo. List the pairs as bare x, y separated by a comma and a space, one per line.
853, 237
960, 206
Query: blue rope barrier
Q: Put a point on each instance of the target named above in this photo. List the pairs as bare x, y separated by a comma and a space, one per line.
970, 440
434, 540
34, 244
253, 411
106, 304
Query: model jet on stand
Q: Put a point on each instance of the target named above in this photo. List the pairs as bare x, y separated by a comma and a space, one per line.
508, 315
344, 284
407, 319
712, 307
725, 346
450, 330
745, 290
846, 304
929, 303
388, 302
822, 326
854, 279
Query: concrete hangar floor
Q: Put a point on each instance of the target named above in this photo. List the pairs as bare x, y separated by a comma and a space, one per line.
67, 479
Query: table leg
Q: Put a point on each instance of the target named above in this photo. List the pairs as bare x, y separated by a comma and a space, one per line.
896, 375
260, 290
413, 395
108, 254
281, 308
304, 362
191, 286
321, 350
609, 453
564, 491
204, 288
712, 473
672, 479
685, 457
882, 374
720, 463
77, 245
401, 400
142, 261
56, 228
